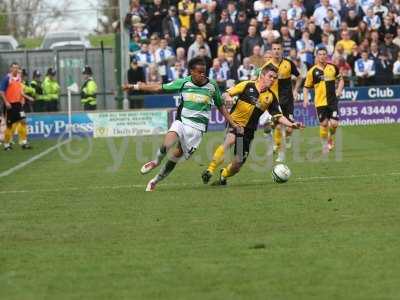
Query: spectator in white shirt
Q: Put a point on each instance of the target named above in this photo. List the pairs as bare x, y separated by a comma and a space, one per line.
219, 74
365, 4
380, 9
295, 12
322, 12
194, 48
163, 57
364, 69
144, 57
373, 21
244, 71
396, 70
176, 71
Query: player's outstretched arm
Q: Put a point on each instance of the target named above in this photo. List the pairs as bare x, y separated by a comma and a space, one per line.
143, 87
285, 121
222, 109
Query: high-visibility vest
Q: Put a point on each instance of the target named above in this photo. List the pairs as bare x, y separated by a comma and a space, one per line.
88, 92
51, 89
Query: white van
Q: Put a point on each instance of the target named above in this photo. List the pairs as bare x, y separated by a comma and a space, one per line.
65, 39
8, 43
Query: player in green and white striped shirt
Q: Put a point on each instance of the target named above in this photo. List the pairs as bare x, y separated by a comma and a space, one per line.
197, 94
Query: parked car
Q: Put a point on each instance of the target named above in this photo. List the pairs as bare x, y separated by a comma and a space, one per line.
65, 39
8, 43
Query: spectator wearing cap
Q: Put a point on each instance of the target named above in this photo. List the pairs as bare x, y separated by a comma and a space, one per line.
373, 21
88, 90
384, 67
171, 23
364, 69
36, 83
389, 48
51, 91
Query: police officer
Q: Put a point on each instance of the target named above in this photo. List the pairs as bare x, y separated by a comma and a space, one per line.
51, 91
88, 90
36, 83
28, 90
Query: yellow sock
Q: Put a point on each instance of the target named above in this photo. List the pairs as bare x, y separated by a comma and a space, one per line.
217, 159
332, 131
277, 136
228, 171
22, 132
323, 133
9, 133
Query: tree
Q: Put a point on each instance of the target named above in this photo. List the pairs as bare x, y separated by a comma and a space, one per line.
26, 18
109, 10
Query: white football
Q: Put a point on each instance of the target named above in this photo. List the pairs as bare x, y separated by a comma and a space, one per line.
281, 173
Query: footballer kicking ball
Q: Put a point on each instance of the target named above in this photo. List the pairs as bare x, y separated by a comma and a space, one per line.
281, 173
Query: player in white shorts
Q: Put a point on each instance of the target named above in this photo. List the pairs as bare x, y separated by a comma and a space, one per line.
197, 94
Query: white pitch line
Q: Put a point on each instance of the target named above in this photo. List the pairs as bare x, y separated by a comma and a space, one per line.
32, 159
143, 186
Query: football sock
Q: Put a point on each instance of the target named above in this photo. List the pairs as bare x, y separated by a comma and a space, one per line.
22, 133
217, 159
161, 152
323, 134
165, 170
278, 137
228, 171
9, 133
332, 131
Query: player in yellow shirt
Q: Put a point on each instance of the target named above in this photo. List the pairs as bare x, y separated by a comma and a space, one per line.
254, 98
323, 77
286, 94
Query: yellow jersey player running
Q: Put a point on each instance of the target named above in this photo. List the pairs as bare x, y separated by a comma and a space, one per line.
286, 95
322, 77
254, 98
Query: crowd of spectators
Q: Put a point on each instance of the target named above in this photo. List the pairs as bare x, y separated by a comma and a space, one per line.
362, 37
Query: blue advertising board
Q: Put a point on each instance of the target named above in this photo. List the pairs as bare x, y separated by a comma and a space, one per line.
55, 125
349, 94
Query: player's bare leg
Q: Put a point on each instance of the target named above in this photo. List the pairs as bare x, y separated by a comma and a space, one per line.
166, 169
170, 140
333, 124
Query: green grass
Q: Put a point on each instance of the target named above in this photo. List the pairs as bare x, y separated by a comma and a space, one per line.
86, 230
95, 40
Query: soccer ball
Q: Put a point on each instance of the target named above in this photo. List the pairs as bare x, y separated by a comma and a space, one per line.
281, 173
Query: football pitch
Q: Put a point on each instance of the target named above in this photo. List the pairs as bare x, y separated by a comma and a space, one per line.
75, 222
